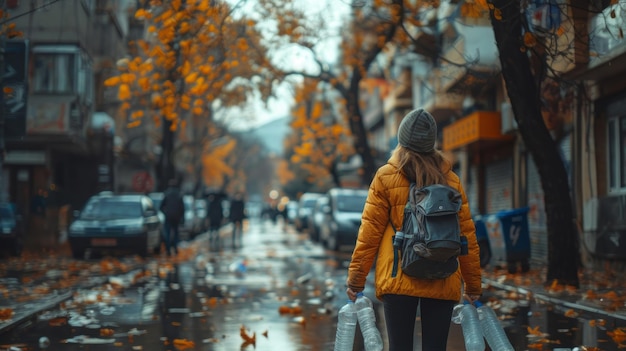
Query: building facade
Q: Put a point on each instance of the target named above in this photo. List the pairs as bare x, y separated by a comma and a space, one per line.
64, 151
478, 131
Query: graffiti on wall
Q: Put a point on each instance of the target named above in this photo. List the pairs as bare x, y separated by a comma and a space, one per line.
537, 211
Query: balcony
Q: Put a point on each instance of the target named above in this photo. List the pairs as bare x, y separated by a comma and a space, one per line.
471, 61
441, 104
61, 98
481, 127
607, 47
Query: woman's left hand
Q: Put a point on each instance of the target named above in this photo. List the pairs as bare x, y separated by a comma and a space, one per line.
351, 294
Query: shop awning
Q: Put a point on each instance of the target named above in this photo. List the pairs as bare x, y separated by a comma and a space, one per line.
478, 126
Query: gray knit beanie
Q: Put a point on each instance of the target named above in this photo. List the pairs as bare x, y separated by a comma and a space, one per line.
418, 131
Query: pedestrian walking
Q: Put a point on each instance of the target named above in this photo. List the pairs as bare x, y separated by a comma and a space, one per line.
216, 216
173, 208
237, 215
415, 159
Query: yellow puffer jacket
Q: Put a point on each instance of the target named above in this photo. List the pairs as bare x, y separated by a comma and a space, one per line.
387, 195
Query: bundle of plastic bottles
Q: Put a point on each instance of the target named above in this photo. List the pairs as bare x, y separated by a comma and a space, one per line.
466, 315
362, 312
479, 323
492, 329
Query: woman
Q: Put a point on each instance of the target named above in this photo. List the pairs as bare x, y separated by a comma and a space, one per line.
414, 160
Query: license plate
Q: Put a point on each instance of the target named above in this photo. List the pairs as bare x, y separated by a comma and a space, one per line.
104, 242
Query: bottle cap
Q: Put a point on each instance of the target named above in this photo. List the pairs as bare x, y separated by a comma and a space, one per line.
359, 294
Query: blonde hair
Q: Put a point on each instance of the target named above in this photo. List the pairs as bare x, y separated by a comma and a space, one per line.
423, 168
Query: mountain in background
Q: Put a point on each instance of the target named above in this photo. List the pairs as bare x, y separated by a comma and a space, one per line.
272, 134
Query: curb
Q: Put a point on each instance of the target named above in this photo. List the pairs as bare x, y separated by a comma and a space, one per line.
23, 316
554, 300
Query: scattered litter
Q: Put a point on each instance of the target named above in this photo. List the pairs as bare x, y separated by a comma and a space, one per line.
44, 342
197, 314
81, 321
303, 279
87, 340
107, 311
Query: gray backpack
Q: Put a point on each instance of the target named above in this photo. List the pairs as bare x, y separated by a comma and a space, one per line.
430, 240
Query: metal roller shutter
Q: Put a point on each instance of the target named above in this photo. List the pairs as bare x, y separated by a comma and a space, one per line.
499, 186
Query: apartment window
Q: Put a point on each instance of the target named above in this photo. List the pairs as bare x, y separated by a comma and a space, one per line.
62, 69
54, 73
617, 153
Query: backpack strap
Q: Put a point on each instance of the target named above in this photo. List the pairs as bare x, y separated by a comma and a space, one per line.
396, 249
399, 237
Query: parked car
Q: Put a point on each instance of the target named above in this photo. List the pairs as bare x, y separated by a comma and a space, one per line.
112, 223
341, 223
305, 207
12, 229
317, 217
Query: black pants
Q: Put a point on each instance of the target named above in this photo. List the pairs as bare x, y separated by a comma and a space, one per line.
400, 314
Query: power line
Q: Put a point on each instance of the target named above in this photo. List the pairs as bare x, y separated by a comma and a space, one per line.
28, 12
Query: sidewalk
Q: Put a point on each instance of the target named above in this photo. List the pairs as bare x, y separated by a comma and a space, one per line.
601, 292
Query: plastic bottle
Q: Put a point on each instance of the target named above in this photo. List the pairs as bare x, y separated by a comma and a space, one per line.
467, 316
367, 321
346, 327
492, 329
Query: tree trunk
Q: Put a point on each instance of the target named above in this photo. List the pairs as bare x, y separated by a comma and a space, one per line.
357, 128
563, 248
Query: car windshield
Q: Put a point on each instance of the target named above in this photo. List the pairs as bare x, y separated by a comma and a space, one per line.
112, 209
351, 203
309, 203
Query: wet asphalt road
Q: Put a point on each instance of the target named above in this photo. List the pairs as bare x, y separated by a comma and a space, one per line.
277, 292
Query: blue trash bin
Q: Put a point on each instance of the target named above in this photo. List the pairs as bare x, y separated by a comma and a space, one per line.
483, 240
514, 226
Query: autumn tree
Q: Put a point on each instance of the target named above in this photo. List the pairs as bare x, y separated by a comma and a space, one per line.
528, 64
365, 36
319, 140
530, 59
195, 58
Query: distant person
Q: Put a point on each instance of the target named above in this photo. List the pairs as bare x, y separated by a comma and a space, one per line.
216, 216
38, 203
173, 208
237, 215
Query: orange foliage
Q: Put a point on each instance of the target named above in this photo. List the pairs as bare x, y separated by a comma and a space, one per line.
198, 54
6, 313
320, 138
618, 335
247, 338
106, 332
184, 344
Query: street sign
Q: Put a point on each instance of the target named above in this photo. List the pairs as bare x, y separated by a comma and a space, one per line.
14, 88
